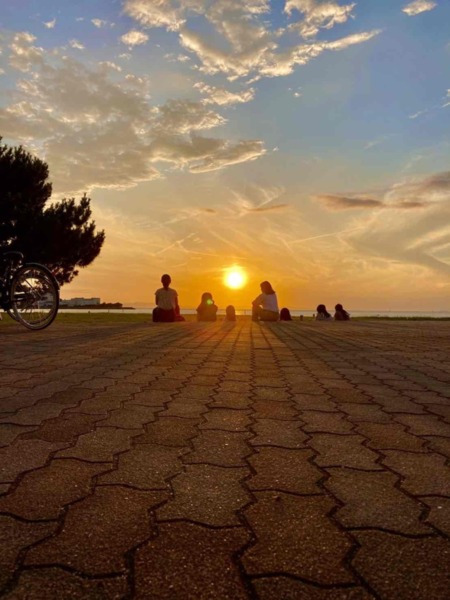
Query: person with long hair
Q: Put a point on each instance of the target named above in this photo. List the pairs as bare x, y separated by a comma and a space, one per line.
230, 313
166, 300
206, 310
285, 314
265, 306
323, 314
341, 314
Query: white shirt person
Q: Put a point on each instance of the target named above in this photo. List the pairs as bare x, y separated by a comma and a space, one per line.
265, 306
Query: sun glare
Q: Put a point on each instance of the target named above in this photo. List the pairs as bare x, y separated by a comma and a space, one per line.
235, 278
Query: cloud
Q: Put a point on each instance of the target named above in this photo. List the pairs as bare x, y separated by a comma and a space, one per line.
76, 44
158, 13
99, 23
222, 96
318, 15
50, 24
241, 42
23, 55
418, 6
97, 126
345, 202
134, 38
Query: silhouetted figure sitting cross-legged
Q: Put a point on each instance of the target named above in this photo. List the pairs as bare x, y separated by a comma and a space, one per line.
265, 306
230, 313
166, 300
206, 310
323, 314
285, 315
341, 314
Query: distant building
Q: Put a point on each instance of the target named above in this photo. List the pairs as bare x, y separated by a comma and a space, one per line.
73, 302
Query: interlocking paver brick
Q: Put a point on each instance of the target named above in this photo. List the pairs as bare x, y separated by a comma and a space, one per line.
34, 415
185, 408
272, 432
272, 409
150, 398
99, 530
9, 432
100, 445
221, 486
314, 402
424, 474
24, 455
424, 424
364, 412
167, 568
42, 493
353, 395
146, 467
390, 435
267, 393
294, 536
228, 420
132, 417
388, 508
439, 515
399, 404
169, 431
230, 400
399, 567
71, 396
222, 448
283, 588
97, 405
16, 536
439, 444
325, 421
285, 470
343, 451
57, 584
64, 429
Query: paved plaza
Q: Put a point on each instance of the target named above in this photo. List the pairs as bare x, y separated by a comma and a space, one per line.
225, 461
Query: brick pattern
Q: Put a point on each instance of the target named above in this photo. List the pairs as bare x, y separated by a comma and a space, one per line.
229, 460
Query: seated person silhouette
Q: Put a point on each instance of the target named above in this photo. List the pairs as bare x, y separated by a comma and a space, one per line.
265, 306
230, 313
285, 315
166, 300
206, 310
323, 314
341, 314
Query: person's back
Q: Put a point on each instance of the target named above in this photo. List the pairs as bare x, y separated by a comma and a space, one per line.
341, 314
285, 315
230, 313
323, 314
166, 300
207, 310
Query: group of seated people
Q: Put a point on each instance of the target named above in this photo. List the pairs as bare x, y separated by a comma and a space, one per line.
264, 307
340, 313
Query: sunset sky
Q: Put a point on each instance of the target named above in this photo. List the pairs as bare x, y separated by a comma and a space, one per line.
306, 142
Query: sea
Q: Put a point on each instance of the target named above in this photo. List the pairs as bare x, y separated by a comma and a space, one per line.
440, 314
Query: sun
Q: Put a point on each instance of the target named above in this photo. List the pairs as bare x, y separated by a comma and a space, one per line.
235, 278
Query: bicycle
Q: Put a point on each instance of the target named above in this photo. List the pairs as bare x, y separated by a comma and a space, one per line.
29, 292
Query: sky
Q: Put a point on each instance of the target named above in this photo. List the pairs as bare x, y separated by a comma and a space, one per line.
304, 142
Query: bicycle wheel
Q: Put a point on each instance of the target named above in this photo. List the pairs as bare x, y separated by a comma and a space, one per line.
34, 296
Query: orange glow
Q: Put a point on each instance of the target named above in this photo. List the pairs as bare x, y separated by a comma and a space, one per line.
235, 278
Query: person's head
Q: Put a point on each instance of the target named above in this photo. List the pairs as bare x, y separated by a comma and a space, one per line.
207, 298
266, 288
230, 313
166, 280
285, 315
322, 310
339, 307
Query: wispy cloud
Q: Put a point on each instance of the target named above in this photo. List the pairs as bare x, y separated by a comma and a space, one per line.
98, 127
134, 38
99, 23
76, 45
318, 15
419, 6
50, 24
